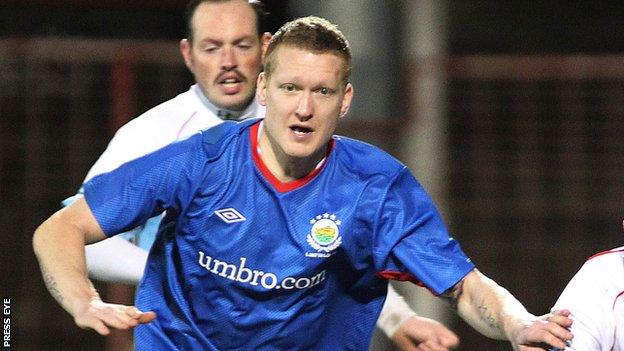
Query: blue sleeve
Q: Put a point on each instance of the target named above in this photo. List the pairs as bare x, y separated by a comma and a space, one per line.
142, 236
163, 180
412, 242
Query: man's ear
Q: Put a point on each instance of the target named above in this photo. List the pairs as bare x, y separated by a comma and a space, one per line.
264, 42
346, 100
261, 89
185, 50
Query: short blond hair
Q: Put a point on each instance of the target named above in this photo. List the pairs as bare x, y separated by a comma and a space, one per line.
314, 34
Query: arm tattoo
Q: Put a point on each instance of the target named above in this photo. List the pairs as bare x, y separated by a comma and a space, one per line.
487, 316
50, 283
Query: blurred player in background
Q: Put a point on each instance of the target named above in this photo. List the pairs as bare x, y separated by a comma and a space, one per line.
223, 50
595, 299
292, 254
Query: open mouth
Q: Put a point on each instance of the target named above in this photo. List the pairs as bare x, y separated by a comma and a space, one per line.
299, 130
231, 84
230, 81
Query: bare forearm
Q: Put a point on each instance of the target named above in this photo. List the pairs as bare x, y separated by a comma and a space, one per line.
495, 313
60, 251
59, 244
489, 308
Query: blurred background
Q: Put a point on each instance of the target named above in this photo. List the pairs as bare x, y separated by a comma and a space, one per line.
510, 113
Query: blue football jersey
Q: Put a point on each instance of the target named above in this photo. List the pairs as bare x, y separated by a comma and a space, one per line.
245, 262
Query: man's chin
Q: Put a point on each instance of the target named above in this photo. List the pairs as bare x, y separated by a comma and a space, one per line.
236, 102
300, 154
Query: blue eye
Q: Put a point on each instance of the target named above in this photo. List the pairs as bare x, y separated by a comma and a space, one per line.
325, 91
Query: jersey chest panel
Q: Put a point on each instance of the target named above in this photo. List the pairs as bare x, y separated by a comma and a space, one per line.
249, 235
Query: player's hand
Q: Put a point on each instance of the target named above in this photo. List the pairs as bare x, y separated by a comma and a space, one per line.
549, 330
101, 316
423, 334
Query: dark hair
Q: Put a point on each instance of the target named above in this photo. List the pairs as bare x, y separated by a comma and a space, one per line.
192, 5
311, 33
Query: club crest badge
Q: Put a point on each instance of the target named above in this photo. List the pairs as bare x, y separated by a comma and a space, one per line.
324, 236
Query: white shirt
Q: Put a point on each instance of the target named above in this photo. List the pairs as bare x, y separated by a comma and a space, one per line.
173, 120
595, 297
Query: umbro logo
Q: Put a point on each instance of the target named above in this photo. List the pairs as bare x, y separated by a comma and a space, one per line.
230, 215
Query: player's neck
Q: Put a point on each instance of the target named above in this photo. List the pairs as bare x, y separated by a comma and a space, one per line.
284, 167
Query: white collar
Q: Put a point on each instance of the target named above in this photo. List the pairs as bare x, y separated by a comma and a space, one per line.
250, 111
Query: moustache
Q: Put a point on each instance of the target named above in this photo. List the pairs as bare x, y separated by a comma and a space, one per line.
236, 74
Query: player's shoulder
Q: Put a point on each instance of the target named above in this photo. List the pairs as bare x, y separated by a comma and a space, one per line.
217, 134
365, 158
225, 134
615, 254
169, 114
606, 262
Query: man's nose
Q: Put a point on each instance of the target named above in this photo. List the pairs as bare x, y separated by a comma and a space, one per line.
305, 108
228, 59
